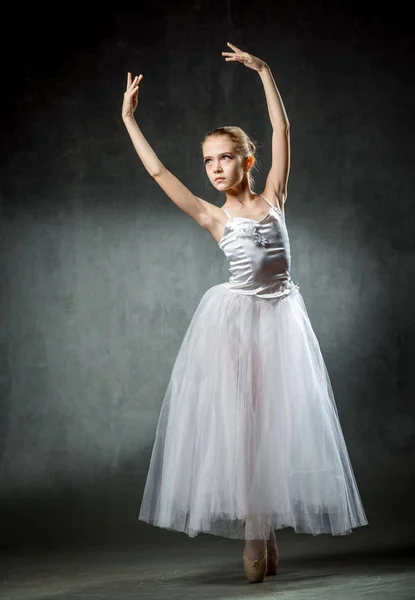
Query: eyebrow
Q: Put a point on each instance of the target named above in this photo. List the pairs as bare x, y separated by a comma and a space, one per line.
221, 154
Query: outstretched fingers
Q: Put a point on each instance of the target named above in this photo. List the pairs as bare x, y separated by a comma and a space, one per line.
132, 83
235, 48
237, 54
229, 56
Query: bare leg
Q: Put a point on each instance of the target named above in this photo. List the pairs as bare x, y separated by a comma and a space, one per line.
272, 554
254, 548
272, 541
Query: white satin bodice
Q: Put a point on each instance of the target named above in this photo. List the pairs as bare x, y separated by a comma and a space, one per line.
259, 255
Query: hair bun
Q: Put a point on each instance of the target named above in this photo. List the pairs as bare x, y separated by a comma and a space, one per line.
251, 145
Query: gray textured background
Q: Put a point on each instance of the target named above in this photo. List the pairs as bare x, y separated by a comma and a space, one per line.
101, 272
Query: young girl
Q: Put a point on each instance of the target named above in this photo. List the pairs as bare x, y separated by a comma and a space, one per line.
249, 438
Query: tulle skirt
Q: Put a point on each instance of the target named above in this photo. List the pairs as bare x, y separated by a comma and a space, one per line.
249, 438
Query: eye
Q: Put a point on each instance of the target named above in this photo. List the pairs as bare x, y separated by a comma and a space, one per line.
223, 156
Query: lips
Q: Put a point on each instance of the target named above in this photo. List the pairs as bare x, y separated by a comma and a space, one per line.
220, 179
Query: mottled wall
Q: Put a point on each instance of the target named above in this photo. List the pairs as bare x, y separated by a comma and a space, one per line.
101, 273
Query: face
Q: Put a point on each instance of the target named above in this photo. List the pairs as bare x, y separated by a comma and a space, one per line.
222, 161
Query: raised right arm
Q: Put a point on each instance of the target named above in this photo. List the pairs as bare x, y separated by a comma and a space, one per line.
204, 213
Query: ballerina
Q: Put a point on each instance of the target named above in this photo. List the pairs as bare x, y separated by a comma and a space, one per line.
248, 439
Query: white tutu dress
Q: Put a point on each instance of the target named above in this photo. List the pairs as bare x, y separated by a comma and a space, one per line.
249, 438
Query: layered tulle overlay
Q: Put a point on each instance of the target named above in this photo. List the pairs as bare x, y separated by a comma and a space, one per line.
249, 437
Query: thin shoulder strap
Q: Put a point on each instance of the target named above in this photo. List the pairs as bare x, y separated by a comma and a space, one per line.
266, 200
226, 213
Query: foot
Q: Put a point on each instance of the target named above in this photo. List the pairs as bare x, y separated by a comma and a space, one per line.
254, 549
255, 568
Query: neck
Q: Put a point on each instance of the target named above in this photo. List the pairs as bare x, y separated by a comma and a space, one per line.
242, 200
241, 196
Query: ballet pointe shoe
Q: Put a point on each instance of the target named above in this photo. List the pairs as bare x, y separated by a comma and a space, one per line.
272, 561
255, 569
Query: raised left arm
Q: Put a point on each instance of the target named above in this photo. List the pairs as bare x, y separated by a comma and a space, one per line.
278, 175
280, 167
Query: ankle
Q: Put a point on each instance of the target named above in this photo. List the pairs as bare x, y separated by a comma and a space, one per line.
254, 548
272, 541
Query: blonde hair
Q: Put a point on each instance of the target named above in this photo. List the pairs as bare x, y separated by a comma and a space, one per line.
244, 145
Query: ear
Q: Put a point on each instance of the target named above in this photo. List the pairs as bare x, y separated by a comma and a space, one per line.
249, 162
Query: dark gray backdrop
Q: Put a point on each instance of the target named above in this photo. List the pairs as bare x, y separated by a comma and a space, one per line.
101, 272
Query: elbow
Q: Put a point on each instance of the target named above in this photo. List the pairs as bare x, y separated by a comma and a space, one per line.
283, 127
156, 173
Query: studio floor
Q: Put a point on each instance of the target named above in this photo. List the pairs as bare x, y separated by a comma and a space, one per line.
376, 562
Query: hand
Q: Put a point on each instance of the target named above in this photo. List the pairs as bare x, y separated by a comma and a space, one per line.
247, 59
131, 96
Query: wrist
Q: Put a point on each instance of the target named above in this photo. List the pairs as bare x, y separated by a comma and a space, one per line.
128, 119
265, 68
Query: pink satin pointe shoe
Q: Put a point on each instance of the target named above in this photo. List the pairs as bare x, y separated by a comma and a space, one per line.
272, 561
255, 569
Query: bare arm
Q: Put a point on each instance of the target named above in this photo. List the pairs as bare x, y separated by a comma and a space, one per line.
200, 210
278, 175
280, 167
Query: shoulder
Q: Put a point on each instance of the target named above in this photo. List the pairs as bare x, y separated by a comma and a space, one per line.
277, 200
213, 220
212, 215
